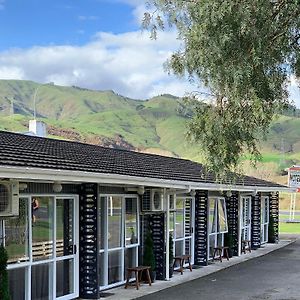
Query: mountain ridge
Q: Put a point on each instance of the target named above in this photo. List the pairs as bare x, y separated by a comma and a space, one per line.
155, 125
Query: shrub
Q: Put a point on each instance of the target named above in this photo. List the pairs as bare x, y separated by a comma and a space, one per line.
4, 290
149, 259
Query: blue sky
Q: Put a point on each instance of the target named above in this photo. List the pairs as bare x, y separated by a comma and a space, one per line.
95, 44
56, 22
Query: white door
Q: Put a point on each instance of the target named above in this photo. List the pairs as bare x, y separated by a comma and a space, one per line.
264, 220
45, 264
217, 223
119, 237
66, 248
181, 226
245, 219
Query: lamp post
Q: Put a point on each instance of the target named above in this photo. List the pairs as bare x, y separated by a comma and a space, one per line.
34, 99
34, 102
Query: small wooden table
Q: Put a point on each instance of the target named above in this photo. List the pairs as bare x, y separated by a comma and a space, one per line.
218, 251
181, 260
138, 271
246, 245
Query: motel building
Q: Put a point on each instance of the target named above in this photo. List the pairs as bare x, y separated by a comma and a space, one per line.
74, 217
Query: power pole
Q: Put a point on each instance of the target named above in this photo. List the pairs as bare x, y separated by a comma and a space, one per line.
12, 110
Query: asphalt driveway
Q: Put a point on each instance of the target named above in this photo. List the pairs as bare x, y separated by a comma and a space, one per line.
273, 276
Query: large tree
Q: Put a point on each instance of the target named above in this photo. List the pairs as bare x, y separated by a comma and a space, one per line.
245, 52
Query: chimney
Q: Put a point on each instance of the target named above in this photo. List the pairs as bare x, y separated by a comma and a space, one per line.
38, 128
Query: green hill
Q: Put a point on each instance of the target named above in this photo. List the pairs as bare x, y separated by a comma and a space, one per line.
156, 125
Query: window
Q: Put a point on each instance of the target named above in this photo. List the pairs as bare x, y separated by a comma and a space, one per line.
114, 220
131, 221
217, 223
222, 217
181, 223
217, 216
17, 236
264, 220
119, 237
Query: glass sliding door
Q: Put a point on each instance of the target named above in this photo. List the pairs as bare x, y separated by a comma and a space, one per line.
181, 226
46, 265
43, 247
119, 237
264, 219
115, 240
66, 248
217, 223
17, 246
245, 218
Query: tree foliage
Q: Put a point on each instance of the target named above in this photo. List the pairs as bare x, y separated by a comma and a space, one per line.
244, 52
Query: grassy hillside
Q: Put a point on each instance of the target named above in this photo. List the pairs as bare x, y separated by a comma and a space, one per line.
155, 125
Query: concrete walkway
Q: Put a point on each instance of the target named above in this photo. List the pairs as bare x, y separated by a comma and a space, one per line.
132, 293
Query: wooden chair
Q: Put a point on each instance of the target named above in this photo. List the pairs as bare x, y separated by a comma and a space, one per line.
181, 259
246, 245
218, 251
138, 272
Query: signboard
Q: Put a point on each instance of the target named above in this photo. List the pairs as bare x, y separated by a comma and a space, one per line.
294, 177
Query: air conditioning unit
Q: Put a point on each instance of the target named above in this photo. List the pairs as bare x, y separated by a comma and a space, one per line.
9, 199
157, 198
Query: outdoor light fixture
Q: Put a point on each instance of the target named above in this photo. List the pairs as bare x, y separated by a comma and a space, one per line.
193, 193
141, 190
57, 187
22, 186
254, 193
228, 193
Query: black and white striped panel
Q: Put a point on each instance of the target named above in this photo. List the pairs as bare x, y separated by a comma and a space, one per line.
201, 202
188, 225
157, 228
232, 207
274, 213
88, 242
256, 221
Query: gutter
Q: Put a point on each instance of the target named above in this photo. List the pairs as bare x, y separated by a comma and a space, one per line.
29, 174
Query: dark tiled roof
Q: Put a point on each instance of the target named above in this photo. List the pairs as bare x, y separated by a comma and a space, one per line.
28, 151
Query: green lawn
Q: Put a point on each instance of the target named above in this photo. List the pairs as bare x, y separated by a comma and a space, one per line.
289, 227
287, 216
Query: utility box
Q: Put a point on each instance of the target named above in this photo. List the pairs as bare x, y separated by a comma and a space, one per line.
38, 128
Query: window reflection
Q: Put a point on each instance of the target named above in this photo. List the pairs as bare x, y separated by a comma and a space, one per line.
114, 222
115, 273
222, 221
212, 216
17, 237
217, 215
217, 221
16, 280
42, 229
179, 221
64, 227
131, 221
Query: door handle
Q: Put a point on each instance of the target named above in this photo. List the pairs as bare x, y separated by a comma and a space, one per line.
74, 249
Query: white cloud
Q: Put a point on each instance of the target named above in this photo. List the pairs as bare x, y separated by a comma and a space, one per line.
139, 8
8, 72
128, 63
